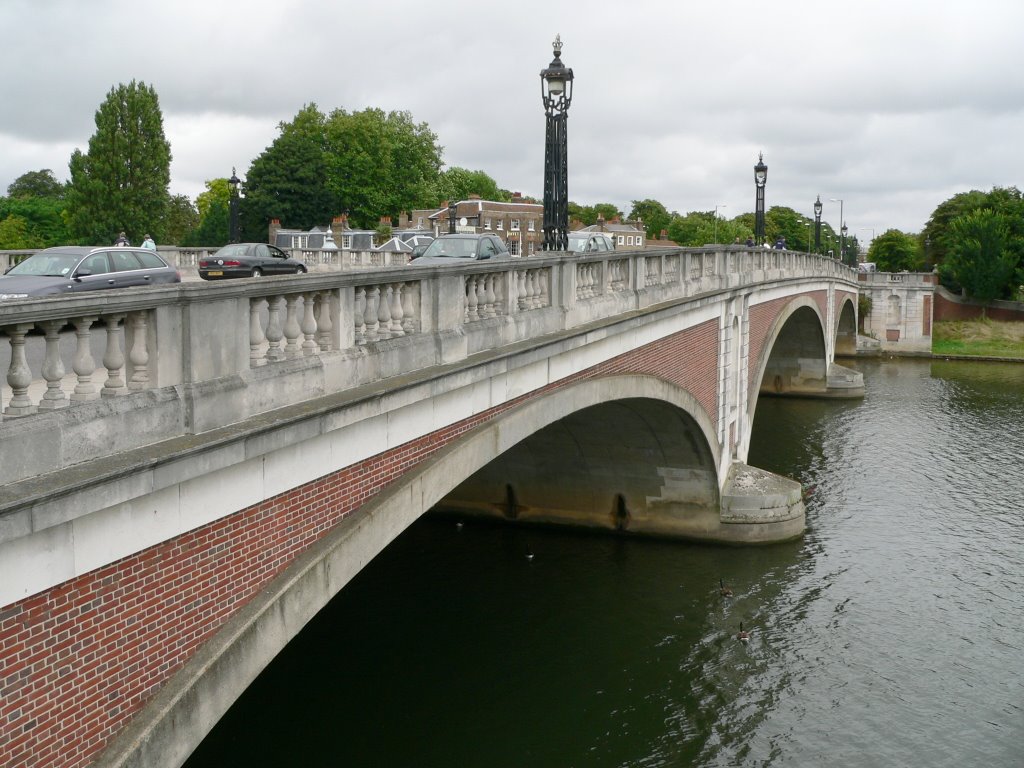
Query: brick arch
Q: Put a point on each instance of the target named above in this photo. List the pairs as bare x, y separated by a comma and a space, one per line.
169, 727
845, 331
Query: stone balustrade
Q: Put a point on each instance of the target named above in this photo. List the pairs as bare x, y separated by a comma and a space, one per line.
94, 374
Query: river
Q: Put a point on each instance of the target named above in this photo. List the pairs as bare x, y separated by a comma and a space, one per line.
889, 635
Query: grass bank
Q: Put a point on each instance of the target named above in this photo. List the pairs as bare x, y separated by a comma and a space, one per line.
979, 338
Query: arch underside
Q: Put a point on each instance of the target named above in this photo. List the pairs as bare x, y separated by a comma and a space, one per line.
635, 465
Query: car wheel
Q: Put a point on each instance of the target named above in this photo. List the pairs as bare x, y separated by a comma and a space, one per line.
257, 272
301, 270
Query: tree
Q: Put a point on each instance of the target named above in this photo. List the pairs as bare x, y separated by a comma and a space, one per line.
43, 219
654, 216
36, 184
182, 219
213, 227
895, 251
288, 181
587, 214
15, 235
1005, 200
459, 183
380, 164
983, 254
121, 183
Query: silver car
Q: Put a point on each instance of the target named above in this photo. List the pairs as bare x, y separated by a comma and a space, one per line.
458, 249
74, 268
590, 242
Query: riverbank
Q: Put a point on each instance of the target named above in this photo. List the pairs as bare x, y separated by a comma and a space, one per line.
978, 339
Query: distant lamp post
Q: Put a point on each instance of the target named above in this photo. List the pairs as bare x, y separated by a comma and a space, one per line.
453, 210
817, 225
760, 177
233, 234
842, 243
556, 94
842, 223
716, 220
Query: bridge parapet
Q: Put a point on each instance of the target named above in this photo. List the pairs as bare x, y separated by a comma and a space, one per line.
158, 363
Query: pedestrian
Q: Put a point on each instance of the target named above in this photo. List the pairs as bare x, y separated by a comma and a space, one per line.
122, 239
148, 243
750, 242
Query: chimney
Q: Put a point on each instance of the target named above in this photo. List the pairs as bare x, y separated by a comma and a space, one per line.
600, 222
664, 235
517, 197
275, 227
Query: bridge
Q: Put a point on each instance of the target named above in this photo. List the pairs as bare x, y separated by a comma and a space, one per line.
196, 470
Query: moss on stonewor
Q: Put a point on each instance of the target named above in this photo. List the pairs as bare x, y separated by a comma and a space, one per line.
978, 338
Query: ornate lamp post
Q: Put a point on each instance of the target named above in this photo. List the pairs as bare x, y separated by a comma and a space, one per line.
556, 94
233, 233
817, 225
453, 209
760, 177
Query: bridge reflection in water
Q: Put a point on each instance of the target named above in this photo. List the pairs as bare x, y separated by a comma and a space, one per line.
244, 449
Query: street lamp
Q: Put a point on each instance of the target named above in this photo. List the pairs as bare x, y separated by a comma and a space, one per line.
233, 233
760, 177
842, 243
716, 220
841, 222
556, 95
453, 209
817, 225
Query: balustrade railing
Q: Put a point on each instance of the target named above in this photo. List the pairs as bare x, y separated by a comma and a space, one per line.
65, 352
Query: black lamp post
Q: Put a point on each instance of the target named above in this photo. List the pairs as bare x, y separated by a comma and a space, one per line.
842, 243
760, 177
817, 225
233, 233
556, 94
453, 209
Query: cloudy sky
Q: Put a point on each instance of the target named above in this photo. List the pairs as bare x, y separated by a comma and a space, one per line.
890, 105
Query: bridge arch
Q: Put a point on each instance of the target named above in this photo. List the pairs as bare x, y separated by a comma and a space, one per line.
173, 724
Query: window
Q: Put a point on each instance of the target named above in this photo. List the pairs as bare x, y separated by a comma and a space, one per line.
629, 240
531, 225
621, 240
300, 241
96, 264
514, 225
487, 223
531, 248
513, 247
346, 242
419, 222
124, 261
501, 224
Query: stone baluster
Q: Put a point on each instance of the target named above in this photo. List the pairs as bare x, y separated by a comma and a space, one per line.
19, 375
372, 321
359, 311
472, 301
292, 329
543, 298
309, 345
397, 329
256, 337
484, 296
384, 313
139, 354
113, 358
531, 288
521, 296
408, 321
53, 368
83, 364
274, 330
325, 321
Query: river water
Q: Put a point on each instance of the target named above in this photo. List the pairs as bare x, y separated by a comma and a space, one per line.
889, 635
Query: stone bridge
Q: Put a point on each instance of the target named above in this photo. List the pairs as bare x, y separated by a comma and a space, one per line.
191, 472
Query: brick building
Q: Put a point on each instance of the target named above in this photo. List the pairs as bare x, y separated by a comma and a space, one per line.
518, 223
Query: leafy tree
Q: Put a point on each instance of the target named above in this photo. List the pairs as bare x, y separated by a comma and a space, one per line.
459, 183
895, 251
216, 189
43, 217
587, 214
653, 214
935, 236
121, 182
15, 235
213, 230
983, 253
182, 219
379, 164
36, 184
288, 181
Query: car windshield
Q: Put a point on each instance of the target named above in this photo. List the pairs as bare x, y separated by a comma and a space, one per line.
458, 248
46, 265
577, 242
